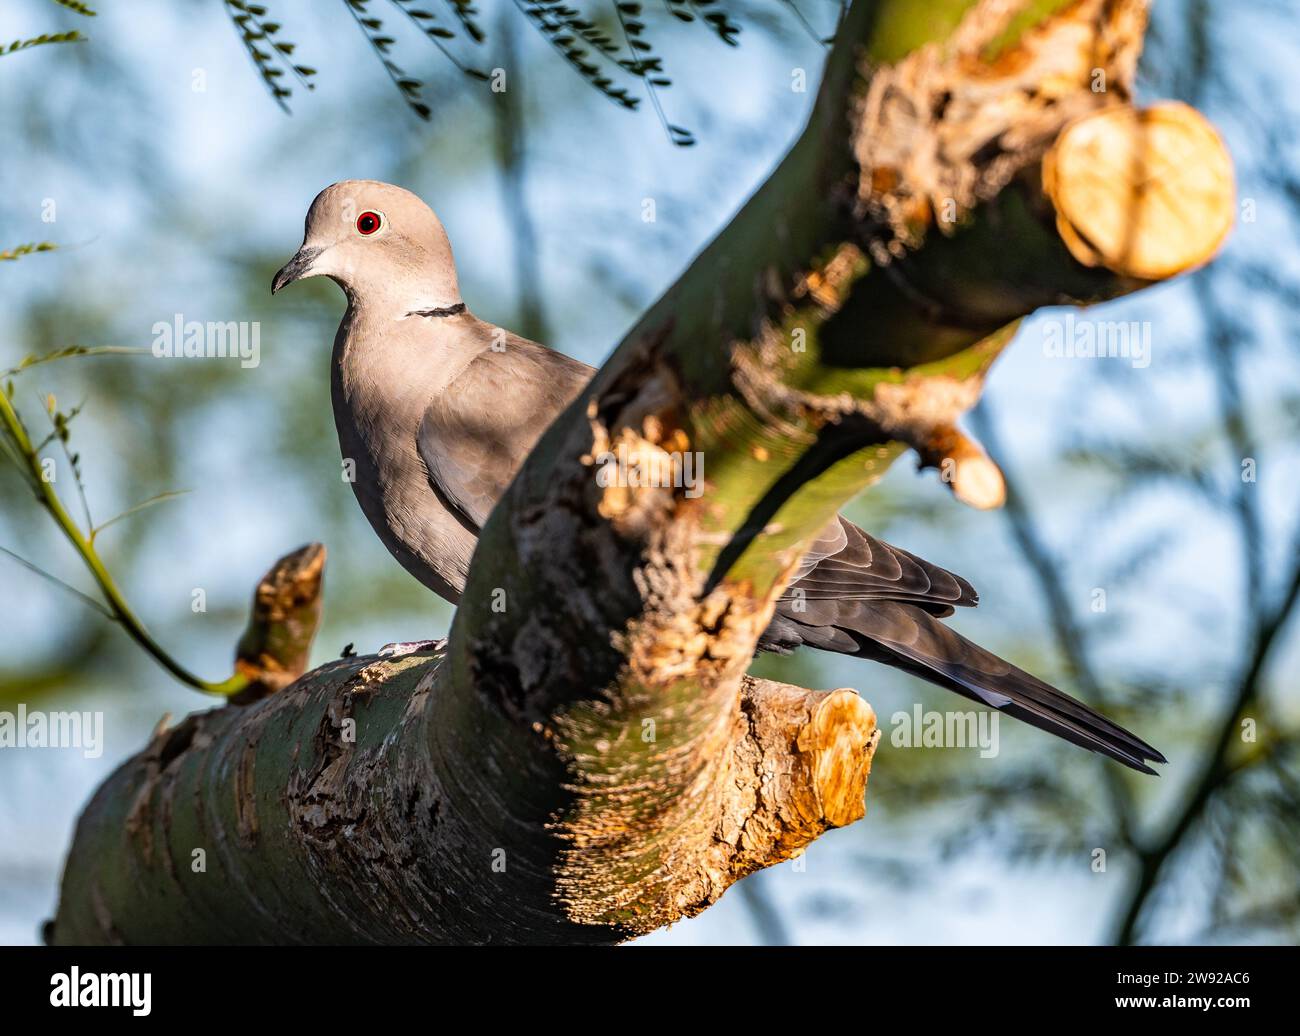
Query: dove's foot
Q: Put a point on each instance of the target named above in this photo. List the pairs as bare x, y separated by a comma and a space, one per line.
414, 647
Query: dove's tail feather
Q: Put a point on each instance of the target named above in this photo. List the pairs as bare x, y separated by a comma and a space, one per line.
909, 638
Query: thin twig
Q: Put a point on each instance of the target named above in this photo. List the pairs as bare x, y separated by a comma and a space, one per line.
47, 496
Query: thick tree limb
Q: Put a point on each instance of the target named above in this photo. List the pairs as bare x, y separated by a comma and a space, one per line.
589, 761
351, 830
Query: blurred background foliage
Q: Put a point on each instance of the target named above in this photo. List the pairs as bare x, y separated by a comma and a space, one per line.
176, 184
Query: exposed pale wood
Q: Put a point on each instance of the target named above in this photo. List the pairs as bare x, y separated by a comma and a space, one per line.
1147, 193
275, 646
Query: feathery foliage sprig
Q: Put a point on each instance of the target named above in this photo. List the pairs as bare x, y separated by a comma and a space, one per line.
711, 14
18, 251
372, 27
644, 63
72, 36
77, 6
566, 30
427, 22
467, 14
271, 55
35, 469
611, 66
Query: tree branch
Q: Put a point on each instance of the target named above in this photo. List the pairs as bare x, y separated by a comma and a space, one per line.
589, 761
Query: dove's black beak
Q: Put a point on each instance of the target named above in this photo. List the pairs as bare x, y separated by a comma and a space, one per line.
298, 266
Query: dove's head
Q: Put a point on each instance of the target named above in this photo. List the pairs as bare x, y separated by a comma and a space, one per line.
380, 243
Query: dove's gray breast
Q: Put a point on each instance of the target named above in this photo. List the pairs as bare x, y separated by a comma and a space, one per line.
385, 373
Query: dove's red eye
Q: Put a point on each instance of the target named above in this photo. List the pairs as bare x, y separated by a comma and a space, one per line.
368, 223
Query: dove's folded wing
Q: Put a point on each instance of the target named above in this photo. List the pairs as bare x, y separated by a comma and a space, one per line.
478, 430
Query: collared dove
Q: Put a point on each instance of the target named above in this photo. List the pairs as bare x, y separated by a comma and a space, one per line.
437, 423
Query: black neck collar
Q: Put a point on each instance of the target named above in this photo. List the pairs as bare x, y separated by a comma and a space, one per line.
441, 311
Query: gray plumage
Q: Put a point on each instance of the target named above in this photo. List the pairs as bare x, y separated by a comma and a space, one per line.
437, 410
435, 444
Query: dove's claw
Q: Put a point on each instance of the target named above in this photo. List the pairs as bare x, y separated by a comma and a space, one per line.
414, 647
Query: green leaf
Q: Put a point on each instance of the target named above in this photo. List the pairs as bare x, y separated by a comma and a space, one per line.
76, 5
30, 249
39, 41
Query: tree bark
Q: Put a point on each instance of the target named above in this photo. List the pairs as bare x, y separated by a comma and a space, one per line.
588, 761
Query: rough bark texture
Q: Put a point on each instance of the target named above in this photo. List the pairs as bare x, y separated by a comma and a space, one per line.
589, 761
335, 812
276, 644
